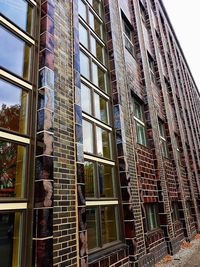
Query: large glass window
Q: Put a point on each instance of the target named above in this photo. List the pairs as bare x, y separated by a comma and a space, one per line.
11, 226
20, 12
15, 54
103, 143
99, 78
12, 169
85, 65
88, 136
139, 121
152, 216
163, 140
86, 99
13, 107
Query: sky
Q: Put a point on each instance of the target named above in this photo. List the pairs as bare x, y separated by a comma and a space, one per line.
185, 18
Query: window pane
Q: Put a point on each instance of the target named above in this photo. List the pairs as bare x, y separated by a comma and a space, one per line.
82, 10
105, 176
86, 99
13, 107
84, 65
95, 24
100, 108
20, 12
98, 77
92, 227
141, 136
89, 172
10, 244
152, 216
108, 220
103, 143
87, 137
96, 6
138, 111
164, 148
12, 169
83, 35
15, 54
97, 49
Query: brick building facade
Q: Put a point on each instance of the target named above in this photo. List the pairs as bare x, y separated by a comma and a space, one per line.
99, 135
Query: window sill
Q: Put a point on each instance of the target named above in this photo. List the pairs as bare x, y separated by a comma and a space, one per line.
106, 250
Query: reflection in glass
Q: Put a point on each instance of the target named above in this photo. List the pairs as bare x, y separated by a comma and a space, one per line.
97, 49
15, 54
91, 217
98, 77
103, 143
84, 65
95, 24
89, 174
82, 10
20, 12
10, 241
141, 135
108, 220
95, 4
86, 99
12, 169
100, 108
105, 176
13, 107
87, 137
83, 35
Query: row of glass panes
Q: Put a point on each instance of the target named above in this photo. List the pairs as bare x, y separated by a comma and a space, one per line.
16, 52
100, 180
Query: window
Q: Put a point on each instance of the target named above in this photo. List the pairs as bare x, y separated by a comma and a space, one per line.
20, 12
175, 211
83, 35
15, 54
163, 140
152, 216
102, 204
152, 68
13, 107
128, 38
139, 121
84, 65
11, 225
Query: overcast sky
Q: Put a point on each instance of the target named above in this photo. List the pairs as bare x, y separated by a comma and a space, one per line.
185, 18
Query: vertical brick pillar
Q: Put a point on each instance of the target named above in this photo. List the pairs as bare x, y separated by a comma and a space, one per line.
43, 201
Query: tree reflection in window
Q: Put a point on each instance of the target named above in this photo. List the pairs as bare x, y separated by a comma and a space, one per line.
12, 169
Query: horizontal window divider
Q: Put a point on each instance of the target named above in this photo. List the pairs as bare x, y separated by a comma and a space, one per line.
13, 137
42, 238
16, 30
101, 202
97, 122
43, 180
95, 88
89, 28
162, 138
138, 120
13, 206
93, 57
33, 2
43, 208
94, 158
14, 79
42, 155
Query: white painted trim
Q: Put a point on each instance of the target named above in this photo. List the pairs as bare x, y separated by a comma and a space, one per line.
12, 137
95, 88
13, 206
101, 202
33, 2
138, 120
97, 122
15, 79
16, 30
89, 157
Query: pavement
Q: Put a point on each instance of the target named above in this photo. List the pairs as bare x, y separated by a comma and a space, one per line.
186, 257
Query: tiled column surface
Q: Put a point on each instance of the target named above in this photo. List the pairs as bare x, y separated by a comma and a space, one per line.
134, 232
167, 225
43, 207
175, 241
65, 197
